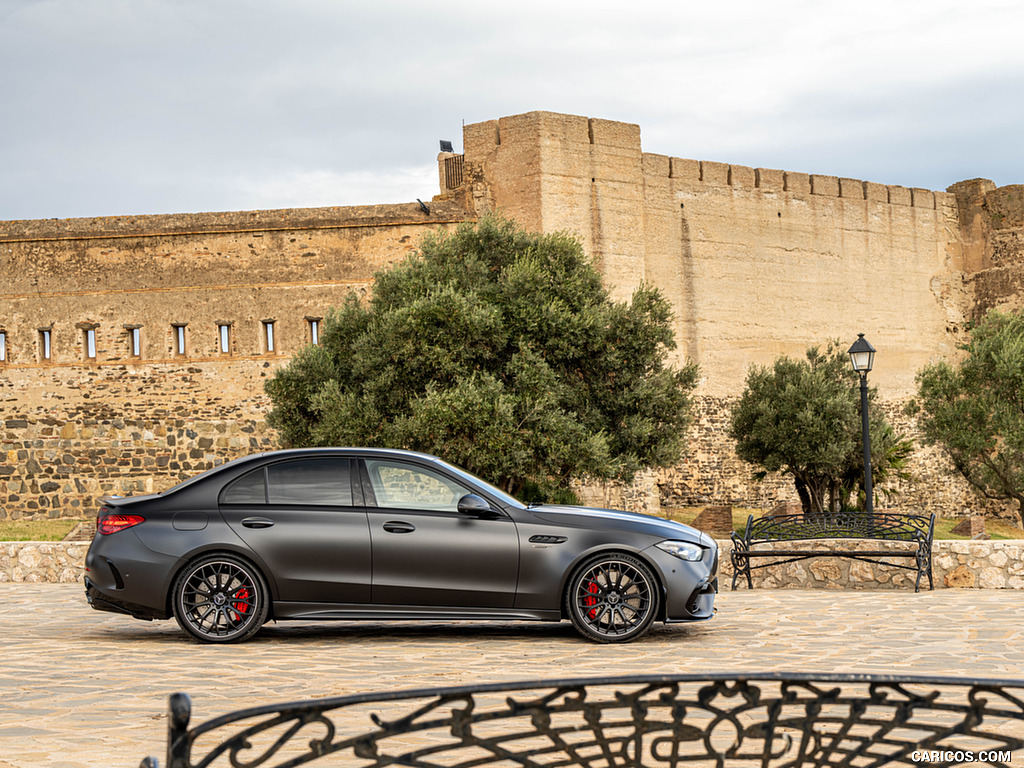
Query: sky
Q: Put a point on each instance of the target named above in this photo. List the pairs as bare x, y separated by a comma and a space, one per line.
122, 107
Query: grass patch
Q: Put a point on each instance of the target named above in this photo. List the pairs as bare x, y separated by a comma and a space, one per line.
36, 530
997, 529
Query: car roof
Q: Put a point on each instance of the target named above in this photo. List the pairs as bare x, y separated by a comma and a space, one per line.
286, 453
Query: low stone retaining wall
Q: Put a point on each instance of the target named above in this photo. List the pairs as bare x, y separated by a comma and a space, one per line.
39, 561
955, 564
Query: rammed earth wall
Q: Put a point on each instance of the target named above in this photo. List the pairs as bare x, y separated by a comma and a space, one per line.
956, 564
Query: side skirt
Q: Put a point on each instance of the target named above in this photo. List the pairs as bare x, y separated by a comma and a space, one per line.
351, 611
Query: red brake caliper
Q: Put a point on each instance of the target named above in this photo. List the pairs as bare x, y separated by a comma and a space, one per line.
591, 599
240, 607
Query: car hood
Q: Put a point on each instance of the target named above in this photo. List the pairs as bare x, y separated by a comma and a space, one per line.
631, 521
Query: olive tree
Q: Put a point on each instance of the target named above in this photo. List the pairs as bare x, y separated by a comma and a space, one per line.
499, 350
802, 418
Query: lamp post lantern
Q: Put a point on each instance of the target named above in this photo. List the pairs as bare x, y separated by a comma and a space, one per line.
862, 355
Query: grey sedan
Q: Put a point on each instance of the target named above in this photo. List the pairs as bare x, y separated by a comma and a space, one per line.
348, 533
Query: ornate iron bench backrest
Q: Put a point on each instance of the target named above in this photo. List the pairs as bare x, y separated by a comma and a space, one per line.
763, 719
842, 525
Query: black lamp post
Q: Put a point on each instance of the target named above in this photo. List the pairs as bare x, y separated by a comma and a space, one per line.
862, 355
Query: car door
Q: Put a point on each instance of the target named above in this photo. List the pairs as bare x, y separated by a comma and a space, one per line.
427, 553
304, 521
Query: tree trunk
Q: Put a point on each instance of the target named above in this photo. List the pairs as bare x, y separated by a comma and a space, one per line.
811, 491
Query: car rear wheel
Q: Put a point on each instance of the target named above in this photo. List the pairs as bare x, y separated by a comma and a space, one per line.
220, 599
612, 598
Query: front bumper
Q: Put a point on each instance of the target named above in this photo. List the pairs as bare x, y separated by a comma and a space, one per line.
690, 587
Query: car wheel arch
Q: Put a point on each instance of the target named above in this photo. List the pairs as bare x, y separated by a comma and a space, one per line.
603, 551
221, 549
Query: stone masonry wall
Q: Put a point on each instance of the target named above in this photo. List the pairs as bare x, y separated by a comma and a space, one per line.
122, 430
712, 474
760, 263
992, 223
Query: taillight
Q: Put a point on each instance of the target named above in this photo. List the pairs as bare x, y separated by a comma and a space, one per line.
108, 523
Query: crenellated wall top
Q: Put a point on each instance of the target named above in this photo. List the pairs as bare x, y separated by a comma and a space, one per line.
712, 174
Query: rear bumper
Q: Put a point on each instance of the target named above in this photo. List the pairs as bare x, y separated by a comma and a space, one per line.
105, 602
124, 576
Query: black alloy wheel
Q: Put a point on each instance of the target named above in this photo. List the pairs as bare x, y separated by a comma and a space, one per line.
612, 598
220, 599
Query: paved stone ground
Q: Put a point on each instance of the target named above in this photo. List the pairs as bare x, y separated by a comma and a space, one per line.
81, 688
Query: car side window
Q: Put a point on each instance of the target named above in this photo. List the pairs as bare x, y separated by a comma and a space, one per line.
310, 481
398, 485
250, 488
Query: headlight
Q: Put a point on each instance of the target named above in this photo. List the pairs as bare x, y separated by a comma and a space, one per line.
684, 550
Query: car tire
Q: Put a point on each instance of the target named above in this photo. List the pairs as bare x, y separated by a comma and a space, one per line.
612, 598
220, 599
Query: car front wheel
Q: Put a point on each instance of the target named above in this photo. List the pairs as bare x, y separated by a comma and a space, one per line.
612, 598
220, 599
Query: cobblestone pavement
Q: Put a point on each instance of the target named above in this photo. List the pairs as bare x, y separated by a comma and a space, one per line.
83, 688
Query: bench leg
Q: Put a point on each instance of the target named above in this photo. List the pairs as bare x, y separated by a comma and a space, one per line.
924, 565
740, 564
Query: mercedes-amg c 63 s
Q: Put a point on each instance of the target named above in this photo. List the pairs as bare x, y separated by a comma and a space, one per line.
346, 533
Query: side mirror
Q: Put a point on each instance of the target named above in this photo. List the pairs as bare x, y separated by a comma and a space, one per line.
471, 504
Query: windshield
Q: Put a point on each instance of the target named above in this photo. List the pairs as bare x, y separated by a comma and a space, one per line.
505, 498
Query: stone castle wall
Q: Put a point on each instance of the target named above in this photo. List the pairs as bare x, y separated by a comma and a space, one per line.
75, 426
756, 262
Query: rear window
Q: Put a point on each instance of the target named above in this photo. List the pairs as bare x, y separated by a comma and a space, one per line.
248, 489
319, 482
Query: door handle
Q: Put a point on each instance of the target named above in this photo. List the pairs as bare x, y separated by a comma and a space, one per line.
257, 522
396, 526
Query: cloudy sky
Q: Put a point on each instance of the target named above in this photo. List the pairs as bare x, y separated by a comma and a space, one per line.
111, 107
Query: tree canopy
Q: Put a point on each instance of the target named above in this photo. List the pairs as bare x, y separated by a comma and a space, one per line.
974, 410
501, 351
802, 418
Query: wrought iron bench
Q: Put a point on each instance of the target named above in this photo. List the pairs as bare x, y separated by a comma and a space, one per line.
734, 720
832, 534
